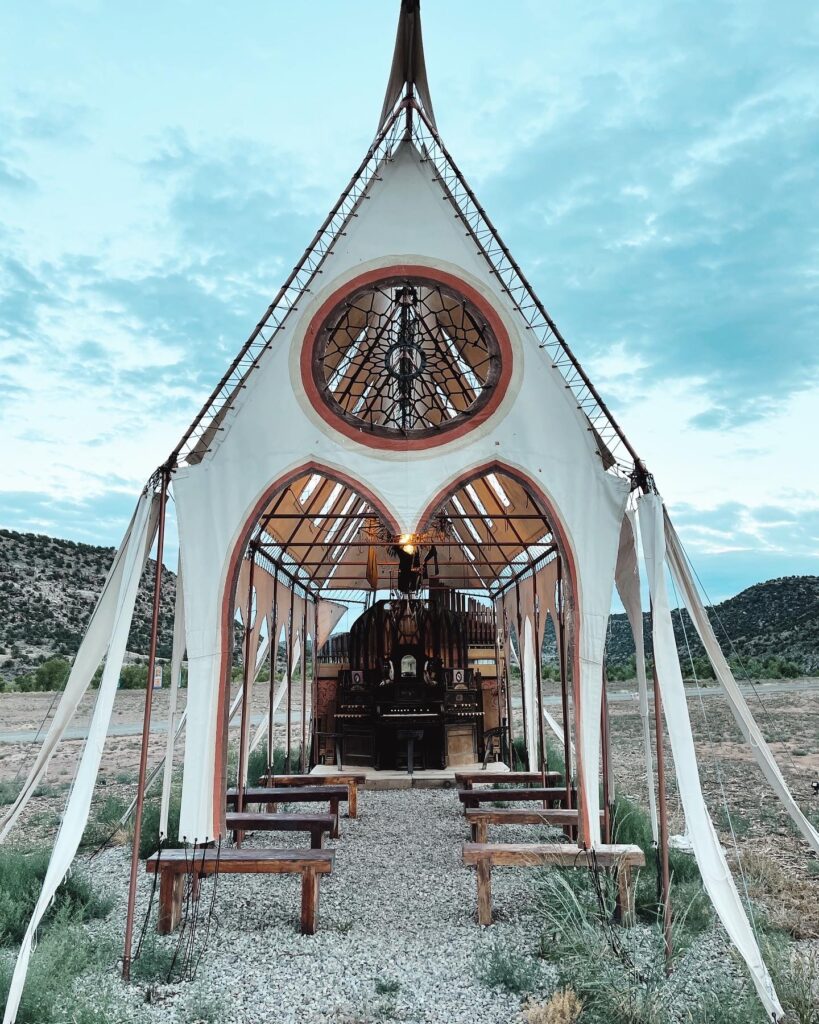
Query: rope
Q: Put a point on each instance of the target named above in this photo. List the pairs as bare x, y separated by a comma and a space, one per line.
184, 923
150, 901
718, 766
211, 911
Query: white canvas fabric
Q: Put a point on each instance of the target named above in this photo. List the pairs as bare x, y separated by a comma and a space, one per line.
627, 579
78, 805
90, 654
716, 875
272, 425
177, 655
330, 613
680, 570
529, 682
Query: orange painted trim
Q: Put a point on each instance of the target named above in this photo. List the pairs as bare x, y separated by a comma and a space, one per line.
397, 443
228, 604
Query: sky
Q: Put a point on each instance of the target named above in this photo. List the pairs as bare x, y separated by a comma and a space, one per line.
654, 168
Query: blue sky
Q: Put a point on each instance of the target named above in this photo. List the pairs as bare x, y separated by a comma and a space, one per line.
653, 166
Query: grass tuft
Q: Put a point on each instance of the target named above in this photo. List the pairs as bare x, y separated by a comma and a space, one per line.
513, 972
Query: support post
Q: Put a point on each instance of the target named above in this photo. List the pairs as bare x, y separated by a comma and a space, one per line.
508, 688
498, 678
247, 679
564, 683
146, 729
274, 653
544, 757
289, 664
527, 739
665, 871
303, 756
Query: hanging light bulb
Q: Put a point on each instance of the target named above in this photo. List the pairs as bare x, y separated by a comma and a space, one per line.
407, 543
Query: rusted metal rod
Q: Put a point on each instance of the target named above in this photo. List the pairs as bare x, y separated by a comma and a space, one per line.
146, 729
665, 867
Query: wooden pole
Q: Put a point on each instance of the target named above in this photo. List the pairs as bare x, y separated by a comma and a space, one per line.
289, 665
498, 680
663, 806
564, 683
303, 758
274, 651
247, 679
146, 729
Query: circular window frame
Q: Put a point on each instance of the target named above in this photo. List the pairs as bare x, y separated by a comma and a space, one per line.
388, 438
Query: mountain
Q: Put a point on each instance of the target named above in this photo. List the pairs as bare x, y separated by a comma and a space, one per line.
775, 621
48, 589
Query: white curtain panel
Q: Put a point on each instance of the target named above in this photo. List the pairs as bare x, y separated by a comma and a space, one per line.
680, 570
627, 580
330, 613
716, 875
177, 655
78, 805
90, 654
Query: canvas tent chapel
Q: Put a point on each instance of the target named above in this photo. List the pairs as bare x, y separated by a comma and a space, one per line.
405, 418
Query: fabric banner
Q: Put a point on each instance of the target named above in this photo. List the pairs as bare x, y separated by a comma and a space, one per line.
627, 580
709, 854
678, 564
89, 655
75, 816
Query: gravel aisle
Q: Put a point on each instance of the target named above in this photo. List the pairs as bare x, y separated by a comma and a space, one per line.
396, 915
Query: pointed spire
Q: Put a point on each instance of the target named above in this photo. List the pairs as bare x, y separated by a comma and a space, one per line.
408, 75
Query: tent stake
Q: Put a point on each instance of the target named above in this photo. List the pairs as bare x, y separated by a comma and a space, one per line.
663, 807
146, 730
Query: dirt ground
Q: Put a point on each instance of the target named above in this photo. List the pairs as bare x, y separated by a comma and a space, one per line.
780, 872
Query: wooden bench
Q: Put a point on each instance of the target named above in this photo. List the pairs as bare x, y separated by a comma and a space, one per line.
348, 779
174, 865
480, 818
466, 780
270, 796
315, 824
552, 796
484, 856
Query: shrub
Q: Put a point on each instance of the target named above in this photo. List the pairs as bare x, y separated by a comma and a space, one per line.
156, 958
21, 879
104, 824
511, 971
149, 836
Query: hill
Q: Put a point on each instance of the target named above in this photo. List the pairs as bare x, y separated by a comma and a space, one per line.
48, 589
773, 624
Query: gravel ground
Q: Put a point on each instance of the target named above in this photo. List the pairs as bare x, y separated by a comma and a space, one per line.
398, 908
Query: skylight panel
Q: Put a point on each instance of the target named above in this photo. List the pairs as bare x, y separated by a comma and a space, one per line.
328, 504
309, 487
466, 521
495, 484
479, 505
337, 522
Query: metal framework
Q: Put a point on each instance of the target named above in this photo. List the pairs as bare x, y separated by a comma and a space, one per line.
407, 357
616, 452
